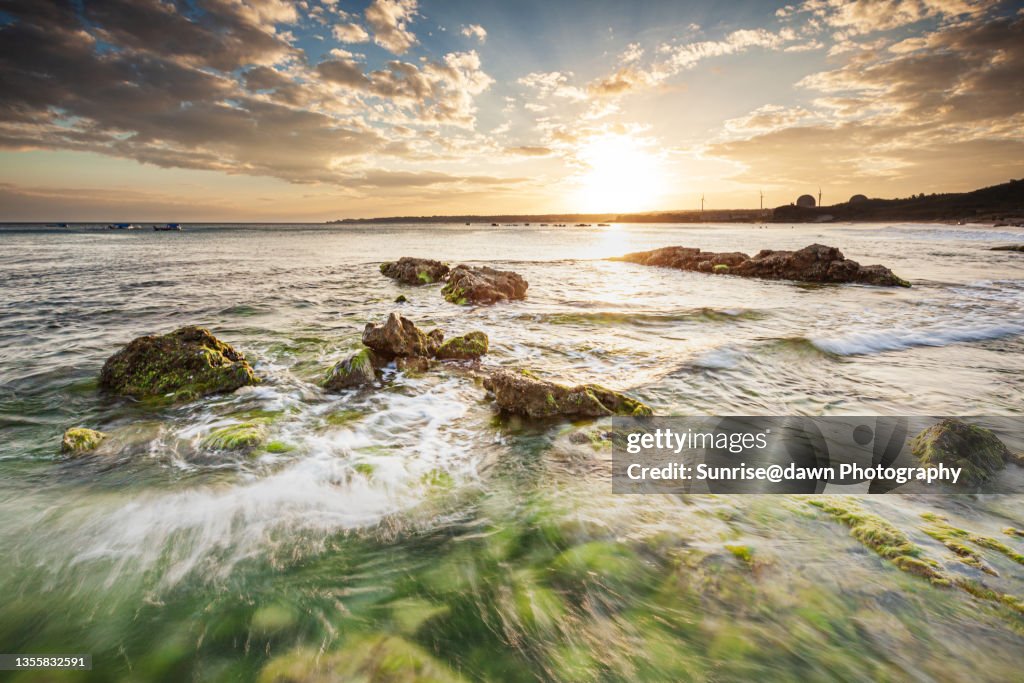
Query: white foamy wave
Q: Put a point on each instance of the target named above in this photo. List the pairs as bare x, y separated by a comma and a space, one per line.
723, 358
877, 341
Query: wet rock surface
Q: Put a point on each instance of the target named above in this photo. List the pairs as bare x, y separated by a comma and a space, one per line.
814, 263
415, 271
483, 285
1008, 247
357, 370
183, 365
955, 443
399, 336
467, 347
521, 393
80, 440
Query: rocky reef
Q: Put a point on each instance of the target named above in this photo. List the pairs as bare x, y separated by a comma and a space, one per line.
399, 340
520, 392
182, 365
814, 263
483, 285
957, 444
415, 271
80, 440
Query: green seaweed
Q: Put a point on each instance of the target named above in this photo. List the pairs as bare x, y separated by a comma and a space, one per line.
236, 437
79, 440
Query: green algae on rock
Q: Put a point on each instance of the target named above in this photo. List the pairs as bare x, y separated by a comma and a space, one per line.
80, 440
415, 271
954, 443
483, 285
183, 365
237, 437
373, 659
467, 347
355, 371
523, 394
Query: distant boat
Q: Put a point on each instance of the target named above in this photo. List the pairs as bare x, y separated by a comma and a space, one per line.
494, 225
168, 227
61, 225
603, 225
122, 226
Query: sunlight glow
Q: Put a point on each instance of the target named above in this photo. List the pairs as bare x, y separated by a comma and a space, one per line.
621, 175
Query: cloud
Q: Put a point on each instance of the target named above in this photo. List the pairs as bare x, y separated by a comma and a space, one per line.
350, 33
528, 151
899, 114
475, 31
389, 20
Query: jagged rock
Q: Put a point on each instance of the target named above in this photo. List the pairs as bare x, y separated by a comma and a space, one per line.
356, 370
814, 263
524, 394
467, 347
401, 299
956, 444
1009, 247
79, 440
399, 337
412, 364
483, 285
183, 365
415, 271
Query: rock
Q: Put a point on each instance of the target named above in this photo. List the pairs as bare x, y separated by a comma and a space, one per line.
399, 337
370, 659
356, 370
183, 365
956, 444
244, 436
1009, 247
814, 263
467, 347
521, 393
400, 299
79, 440
412, 364
483, 285
415, 271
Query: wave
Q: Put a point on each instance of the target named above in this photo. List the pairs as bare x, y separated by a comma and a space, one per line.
879, 341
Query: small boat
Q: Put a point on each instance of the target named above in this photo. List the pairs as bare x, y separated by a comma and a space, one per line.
494, 225
121, 226
603, 225
168, 227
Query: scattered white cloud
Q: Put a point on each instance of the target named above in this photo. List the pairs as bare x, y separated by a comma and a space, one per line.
474, 31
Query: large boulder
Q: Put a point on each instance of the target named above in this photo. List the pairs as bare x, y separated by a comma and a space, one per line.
182, 365
814, 263
520, 392
957, 444
357, 370
80, 440
483, 285
415, 271
467, 347
399, 336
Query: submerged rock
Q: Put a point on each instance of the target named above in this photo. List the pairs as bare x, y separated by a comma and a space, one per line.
79, 440
956, 444
183, 365
814, 263
1009, 247
399, 336
415, 271
483, 285
373, 659
467, 347
238, 437
356, 370
521, 393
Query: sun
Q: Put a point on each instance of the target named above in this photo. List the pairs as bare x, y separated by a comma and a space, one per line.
620, 175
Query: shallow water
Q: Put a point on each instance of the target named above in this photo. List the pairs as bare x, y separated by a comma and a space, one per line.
414, 513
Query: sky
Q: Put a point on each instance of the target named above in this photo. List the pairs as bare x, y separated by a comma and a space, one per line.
312, 110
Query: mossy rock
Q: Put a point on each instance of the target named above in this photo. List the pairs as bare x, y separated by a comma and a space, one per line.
467, 347
79, 440
184, 365
371, 659
521, 393
238, 437
401, 299
954, 443
355, 371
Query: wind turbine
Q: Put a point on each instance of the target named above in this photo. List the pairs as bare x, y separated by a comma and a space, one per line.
702, 202
819, 195
762, 199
